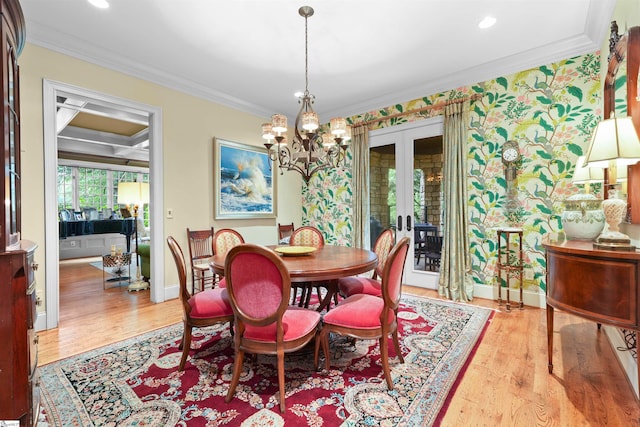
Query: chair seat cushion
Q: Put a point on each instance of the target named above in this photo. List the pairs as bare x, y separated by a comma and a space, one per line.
297, 323
222, 283
359, 311
359, 285
210, 303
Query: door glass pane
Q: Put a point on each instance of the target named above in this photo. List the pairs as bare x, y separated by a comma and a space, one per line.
428, 201
382, 189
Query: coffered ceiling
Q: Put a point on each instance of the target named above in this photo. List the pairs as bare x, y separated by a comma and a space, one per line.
363, 54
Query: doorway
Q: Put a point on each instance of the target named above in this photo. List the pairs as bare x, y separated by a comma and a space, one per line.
52, 92
406, 193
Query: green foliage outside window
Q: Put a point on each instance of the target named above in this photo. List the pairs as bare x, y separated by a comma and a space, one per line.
418, 195
95, 188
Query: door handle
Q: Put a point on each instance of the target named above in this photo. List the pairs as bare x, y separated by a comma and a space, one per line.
408, 223
399, 223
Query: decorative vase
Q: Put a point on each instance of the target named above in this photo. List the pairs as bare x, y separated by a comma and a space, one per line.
583, 217
614, 211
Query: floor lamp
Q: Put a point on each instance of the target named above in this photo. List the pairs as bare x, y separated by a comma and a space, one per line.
135, 194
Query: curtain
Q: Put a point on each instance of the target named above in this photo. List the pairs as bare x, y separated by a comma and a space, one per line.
360, 185
455, 283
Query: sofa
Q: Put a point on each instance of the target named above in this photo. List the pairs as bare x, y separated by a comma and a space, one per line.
144, 250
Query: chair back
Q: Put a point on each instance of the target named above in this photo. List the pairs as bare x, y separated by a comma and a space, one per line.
225, 239
434, 244
382, 247
178, 257
392, 274
285, 230
200, 244
307, 236
259, 285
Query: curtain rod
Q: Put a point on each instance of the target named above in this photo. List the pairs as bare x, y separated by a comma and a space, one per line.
437, 105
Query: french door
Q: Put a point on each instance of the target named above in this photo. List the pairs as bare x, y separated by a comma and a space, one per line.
405, 189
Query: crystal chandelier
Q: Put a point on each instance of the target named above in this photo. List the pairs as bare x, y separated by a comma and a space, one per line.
310, 150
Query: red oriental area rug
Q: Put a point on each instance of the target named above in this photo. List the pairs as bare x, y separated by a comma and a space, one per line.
136, 382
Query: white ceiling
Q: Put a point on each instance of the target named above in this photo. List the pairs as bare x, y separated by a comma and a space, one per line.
363, 54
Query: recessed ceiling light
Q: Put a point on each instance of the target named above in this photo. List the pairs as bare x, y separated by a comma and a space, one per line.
100, 4
487, 22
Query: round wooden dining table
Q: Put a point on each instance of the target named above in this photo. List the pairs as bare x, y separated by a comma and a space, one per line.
326, 264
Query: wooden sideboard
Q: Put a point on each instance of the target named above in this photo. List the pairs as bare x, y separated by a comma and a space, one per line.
595, 284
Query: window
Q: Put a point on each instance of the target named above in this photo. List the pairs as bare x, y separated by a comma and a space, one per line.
82, 188
65, 188
92, 189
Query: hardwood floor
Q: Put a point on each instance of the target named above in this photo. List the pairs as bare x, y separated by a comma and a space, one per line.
91, 317
506, 384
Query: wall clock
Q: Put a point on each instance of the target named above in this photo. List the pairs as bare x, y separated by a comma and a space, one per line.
510, 156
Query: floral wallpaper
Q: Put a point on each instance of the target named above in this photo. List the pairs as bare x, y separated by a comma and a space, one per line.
550, 111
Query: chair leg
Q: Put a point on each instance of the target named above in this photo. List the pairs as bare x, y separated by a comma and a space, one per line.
316, 353
283, 408
396, 344
237, 371
303, 294
185, 345
307, 297
384, 357
324, 339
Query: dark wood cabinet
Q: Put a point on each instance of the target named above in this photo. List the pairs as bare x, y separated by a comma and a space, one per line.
19, 392
599, 285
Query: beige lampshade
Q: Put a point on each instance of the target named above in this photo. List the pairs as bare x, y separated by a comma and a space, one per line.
279, 123
267, 131
133, 193
584, 174
347, 134
338, 126
614, 138
310, 121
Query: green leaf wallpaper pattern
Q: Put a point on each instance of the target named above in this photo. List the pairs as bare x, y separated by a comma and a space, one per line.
550, 111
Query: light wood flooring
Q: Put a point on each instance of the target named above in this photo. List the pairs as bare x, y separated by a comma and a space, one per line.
506, 384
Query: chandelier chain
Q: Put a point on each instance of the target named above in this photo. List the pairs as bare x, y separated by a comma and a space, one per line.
306, 56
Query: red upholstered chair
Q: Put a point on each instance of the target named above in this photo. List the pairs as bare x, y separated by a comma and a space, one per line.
306, 236
223, 241
259, 285
367, 317
205, 308
370, 285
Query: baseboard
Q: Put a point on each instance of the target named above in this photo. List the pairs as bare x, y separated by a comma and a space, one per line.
41, 321
627, 362
171, 292
533, 299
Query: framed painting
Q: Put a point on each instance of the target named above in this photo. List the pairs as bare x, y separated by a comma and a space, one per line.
243, 183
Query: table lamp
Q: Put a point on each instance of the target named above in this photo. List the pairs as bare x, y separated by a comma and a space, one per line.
614, 144
135, 194
586, 175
